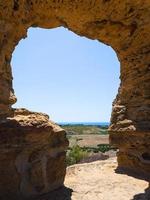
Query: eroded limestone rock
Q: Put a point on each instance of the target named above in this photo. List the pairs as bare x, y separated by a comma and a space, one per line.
134, 150
32, 160
125, 26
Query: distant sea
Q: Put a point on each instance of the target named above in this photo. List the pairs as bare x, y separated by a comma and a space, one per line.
85, 123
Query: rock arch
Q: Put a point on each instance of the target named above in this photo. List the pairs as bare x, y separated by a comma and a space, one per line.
125, 26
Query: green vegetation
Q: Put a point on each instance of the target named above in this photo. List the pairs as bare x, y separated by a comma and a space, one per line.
87, 142
100, 148
76, 154
85, 129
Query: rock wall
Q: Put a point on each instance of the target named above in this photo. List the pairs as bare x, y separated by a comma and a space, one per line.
125, 26
32, 160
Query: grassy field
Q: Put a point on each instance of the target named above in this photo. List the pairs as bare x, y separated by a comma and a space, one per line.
86, 135
86, 142
85, 129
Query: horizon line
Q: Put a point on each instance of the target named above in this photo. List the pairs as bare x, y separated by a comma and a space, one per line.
82, 121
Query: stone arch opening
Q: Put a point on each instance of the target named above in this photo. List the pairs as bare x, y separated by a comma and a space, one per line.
123, 25
39, 74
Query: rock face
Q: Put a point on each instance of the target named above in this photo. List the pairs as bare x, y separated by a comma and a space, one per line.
125, 26
32, 160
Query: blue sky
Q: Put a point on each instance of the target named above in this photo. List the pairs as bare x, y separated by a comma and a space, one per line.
69, 77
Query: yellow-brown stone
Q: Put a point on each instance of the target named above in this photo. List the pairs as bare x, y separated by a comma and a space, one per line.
125, 26
32, 160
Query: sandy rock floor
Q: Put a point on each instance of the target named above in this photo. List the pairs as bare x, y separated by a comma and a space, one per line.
98, 181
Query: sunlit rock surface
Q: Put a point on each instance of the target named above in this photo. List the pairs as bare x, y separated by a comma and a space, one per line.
125, 26
100, 181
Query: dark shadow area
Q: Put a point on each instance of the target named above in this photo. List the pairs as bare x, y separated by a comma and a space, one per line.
135, 174
62, 193
143, 196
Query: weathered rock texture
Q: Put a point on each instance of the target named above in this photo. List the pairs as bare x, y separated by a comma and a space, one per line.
99, 181
125, 26
32, 160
